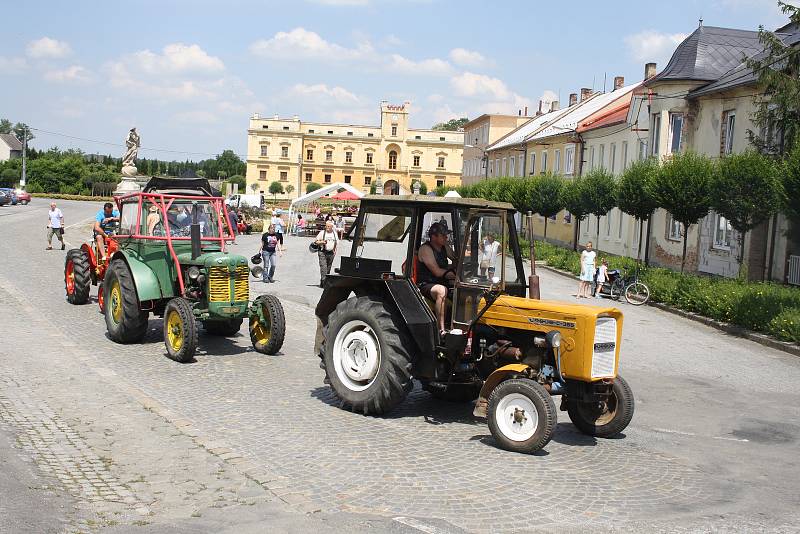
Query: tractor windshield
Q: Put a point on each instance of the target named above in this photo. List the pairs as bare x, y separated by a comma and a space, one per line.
482, 257
179, 216
384, 233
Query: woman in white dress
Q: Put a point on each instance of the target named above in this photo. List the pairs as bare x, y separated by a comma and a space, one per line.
587, 271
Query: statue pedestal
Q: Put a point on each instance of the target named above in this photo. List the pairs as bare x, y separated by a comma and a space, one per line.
128, 183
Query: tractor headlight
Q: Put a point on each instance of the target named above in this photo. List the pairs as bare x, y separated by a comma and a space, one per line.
554, 338
193, 273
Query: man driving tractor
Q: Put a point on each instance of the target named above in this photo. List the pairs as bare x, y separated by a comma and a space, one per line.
104, 224
434, 270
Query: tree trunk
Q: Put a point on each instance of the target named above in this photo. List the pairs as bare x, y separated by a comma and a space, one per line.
545, 229
683, 258
597, 244
639, 251
742, 267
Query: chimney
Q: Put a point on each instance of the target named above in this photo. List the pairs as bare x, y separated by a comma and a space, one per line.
649, 70
519, 112
526, 111
256, 116
585, 93
539, 111
573, 99
554, 105
619, 81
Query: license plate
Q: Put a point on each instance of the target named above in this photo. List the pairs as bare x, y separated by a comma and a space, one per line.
230, 309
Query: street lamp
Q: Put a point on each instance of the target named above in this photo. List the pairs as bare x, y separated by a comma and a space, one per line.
484, 159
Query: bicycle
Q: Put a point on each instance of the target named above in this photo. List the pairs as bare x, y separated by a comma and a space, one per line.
635, 291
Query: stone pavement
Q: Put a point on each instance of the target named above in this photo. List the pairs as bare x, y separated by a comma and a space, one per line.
243, 441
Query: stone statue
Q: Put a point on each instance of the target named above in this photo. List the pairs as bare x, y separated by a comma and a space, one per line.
133, 143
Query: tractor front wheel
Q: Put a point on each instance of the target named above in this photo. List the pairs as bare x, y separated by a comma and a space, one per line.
267, 324
604, 419
366, 355
125, 321
77, 276
180, 330
225, 328
521, 415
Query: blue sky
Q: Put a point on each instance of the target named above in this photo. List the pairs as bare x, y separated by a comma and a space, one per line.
189, 73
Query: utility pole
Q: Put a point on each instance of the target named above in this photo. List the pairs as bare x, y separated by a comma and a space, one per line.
24, 150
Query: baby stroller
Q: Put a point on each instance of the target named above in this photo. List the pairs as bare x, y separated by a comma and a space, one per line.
612, 287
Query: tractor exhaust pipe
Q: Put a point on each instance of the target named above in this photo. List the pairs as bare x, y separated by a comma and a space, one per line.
194, 232
533, 279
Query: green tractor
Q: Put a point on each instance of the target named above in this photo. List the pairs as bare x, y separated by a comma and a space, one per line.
167, 257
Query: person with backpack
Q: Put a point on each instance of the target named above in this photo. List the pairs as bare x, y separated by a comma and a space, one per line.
270, 246
327, 242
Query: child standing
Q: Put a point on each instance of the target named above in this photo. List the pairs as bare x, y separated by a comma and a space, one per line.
602, 277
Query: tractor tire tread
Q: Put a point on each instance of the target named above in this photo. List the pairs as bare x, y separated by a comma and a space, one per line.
616, 425
274, 310
133, 326
82, 278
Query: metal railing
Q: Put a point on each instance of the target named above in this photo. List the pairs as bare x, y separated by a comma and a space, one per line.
794, 270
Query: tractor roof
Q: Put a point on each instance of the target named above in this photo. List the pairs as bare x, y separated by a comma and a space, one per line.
411, 200
181, 186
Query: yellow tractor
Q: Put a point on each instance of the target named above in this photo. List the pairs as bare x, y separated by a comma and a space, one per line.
380, 329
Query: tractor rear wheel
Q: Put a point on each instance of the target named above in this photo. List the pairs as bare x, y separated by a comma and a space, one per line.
77, 276
521, 415
366, 355
180, 330
125, 321
267, 324
226, 328
604, 419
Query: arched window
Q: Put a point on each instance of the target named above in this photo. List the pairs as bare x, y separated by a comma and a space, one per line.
392, 159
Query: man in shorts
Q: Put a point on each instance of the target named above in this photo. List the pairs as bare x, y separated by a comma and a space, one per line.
55, 226
104, 223
434, 270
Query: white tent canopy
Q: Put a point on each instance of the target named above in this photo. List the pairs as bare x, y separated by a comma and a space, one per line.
452, 194
319, 193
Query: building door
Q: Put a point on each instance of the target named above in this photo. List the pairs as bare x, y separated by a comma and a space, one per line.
391, 187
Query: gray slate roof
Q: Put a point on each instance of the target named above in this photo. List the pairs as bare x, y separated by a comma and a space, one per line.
12, 141
709, 53
742, 75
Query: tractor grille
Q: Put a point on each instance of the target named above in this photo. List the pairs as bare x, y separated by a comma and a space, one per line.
605, 348
241, 284
219, 284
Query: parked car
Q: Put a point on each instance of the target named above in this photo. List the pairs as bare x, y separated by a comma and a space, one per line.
11, 193
5, 198
23, 197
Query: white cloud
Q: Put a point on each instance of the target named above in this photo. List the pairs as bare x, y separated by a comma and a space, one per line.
300, 42
467, 58
47, 48
445, 113
547, 98
176, 58
653, 46
74, 74
196, 117
398, 63
339, 94
479, 85
393, 40
10, 65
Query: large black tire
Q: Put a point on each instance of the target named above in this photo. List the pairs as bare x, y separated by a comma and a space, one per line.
606, 420
366, 355
267, 334
125, 321
456, 392
227, 328
77, 276
514, 423
180, 330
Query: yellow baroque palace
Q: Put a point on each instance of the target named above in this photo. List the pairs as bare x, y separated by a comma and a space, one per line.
296, 153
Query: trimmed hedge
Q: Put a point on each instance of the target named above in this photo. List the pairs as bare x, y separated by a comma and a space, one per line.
762, 307
61, 196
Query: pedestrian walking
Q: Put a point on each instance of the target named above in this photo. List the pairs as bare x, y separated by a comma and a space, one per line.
340, 226
234, 221
327, 241
270, 247
277, 222
488, 254
587, 271
55, 226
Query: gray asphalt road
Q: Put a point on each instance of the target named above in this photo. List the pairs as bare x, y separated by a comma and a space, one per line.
713, 445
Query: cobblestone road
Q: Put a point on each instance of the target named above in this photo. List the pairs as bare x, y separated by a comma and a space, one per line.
137, 439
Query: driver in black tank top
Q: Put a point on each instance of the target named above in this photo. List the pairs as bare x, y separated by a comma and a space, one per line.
434, 270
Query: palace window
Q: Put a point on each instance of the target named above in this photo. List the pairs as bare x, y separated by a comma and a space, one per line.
367, 180
264, 150
347, 178
394, 130
308, 177
285, 127
533, 163
441, 139
349, 133
309, 154
329, 155
656, 136
439, 183
722, 232
675, 128
330, 132
544, 161
370, 135
569, 159
284, 176
369, 157
512, 171
262, 175
284, 151
557, 162
416, 161
348, 157
327, 178
311, 131
441, 162
417, 137
392, 159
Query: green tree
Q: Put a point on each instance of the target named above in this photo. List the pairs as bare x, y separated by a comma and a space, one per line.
683, 188
575, 200
239, 180
546, 196
22, 130
791, 184
201, 173
275, 188
313, 186
634, 193
746, 190
9, 177
600, 190
254, 187
453, 125
289, 189
778, 76
5, 126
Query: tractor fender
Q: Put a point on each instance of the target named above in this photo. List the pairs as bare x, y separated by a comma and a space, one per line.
491, 382
145, 280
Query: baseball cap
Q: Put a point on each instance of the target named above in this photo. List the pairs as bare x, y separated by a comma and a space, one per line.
438, 228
